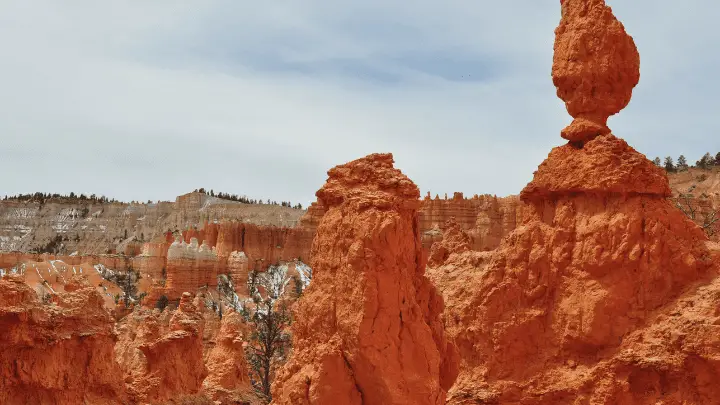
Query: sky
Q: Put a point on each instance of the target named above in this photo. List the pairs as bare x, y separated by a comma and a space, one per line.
147, 100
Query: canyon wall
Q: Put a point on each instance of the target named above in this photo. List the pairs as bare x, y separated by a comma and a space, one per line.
96, 228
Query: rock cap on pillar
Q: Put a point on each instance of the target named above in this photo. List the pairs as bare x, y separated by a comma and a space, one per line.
595, 68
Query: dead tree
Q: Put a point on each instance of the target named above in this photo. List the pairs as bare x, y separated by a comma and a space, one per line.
705, 219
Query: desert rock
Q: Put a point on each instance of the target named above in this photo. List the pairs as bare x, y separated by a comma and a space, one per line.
595, 67
368, 328
57, 352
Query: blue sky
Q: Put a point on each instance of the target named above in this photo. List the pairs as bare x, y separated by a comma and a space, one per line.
147, 100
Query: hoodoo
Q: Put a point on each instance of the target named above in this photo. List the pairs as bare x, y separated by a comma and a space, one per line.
368, 328
594, 297
595, 67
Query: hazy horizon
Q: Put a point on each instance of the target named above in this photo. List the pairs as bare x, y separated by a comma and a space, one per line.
147, 101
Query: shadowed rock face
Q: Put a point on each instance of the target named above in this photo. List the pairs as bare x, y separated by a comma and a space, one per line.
367, 330
595, 67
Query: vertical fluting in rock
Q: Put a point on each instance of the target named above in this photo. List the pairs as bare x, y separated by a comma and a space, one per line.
368, 328
595, 67
189, 267
237, 266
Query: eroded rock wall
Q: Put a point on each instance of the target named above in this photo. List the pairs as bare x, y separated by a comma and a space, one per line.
58, 352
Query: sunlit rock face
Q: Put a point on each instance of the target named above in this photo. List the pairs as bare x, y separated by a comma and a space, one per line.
368, 329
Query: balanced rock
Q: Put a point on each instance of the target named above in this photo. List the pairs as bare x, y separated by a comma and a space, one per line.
595, 67
594, 298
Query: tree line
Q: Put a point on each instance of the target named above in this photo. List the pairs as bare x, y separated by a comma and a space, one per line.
245, 200
706, 162
44, 197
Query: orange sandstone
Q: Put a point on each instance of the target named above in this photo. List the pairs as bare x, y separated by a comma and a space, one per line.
368, 329
60, 352
604, 293
595, 67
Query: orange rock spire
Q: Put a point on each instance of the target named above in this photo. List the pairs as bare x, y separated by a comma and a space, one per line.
595, 67
368, 328
581, 303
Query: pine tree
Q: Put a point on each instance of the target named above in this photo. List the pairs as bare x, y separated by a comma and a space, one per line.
705, 162
269, 341
669, 165
682, 163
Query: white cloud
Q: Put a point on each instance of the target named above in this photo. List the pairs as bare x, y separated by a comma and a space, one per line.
148, 100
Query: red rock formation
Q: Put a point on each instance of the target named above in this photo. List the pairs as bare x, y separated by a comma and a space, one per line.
190, 267
227, 380
580, 303
595, 67
367, 329
163, 365
605, 166
152, 261
486, 219
238, 269
454, 240
56, 353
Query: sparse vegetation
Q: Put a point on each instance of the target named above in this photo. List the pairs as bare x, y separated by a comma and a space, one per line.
53, 247
669, 165
43, 198
246, 200
707, 219
269, 342
162, 303
128, 283
707, 162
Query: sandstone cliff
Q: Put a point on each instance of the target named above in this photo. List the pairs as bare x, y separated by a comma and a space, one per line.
367, 329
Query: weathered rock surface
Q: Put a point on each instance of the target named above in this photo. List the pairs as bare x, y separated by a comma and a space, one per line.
163, 363
595, 67
239, 270
454, 240
606, 165
227, 380
190, 266
605, 293
57, 353
368, 328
